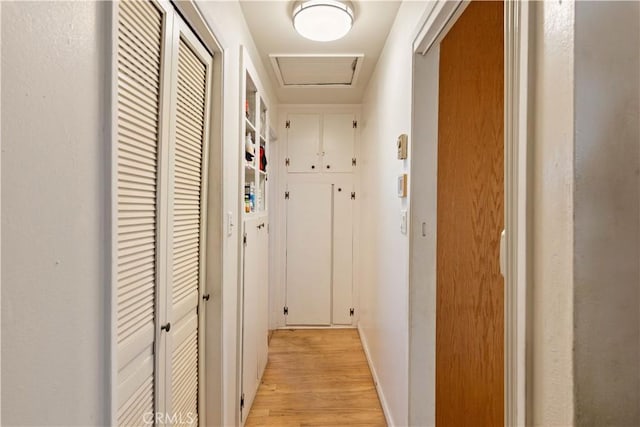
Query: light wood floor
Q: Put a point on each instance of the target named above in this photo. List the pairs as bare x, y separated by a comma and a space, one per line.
316, 378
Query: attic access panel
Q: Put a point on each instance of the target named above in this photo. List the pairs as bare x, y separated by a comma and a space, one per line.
317, 70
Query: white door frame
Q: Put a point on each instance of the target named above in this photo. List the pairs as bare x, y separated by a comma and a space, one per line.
434, 27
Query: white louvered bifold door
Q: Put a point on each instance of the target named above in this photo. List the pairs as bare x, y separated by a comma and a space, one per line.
139, 62
192, 66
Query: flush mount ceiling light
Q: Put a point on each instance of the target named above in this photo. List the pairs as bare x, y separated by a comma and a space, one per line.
322, 20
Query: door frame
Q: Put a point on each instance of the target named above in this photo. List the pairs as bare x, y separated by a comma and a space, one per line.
515, 252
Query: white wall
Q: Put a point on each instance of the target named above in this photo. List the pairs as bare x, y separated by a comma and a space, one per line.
552, 209
606, 230
384, 250
227, 22
55, 235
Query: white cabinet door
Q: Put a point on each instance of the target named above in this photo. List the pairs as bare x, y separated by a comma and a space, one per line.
338, 137
342, 254
250, 315
263, 297
303, 143
309, 254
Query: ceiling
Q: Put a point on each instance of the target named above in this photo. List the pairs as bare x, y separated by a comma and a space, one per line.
272, 30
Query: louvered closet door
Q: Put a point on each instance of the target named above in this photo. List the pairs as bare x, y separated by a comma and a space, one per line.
192, 66
139, 63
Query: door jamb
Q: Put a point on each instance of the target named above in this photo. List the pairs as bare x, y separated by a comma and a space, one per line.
432, 29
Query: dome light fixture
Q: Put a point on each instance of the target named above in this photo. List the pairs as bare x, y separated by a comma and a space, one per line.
322, 20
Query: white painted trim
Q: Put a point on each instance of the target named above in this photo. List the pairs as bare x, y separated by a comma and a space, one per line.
437, 24
376, 382
112, 139
516, 85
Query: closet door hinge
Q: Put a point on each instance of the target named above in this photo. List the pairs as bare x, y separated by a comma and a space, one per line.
355, 124
287, 124
353, 195
242, 401
287, 161
244, 239
353, 161
286, 195
352, 312
285, 310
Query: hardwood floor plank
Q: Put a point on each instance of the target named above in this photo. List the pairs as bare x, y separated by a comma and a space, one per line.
316, 377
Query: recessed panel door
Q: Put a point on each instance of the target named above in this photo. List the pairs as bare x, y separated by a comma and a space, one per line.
303, 143
342, 254
309, 237
338, 138
251, 303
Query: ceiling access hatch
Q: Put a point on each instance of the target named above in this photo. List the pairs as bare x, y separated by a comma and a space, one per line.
317, 70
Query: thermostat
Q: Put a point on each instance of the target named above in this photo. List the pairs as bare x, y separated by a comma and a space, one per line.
402, 185
403, 142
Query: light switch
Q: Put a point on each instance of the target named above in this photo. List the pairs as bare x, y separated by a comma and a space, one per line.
230, 223
403, 221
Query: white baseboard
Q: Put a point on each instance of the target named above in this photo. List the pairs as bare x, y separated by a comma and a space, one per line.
383, 400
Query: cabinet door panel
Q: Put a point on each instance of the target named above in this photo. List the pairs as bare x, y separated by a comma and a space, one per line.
342, 254
303, 143
309, 254
337, 142
250, 315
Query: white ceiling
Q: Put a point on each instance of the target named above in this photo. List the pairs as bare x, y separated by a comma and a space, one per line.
272, 30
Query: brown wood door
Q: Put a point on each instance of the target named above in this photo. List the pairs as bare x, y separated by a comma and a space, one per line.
470, 298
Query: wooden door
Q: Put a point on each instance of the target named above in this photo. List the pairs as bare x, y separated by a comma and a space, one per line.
470, 301
309, 253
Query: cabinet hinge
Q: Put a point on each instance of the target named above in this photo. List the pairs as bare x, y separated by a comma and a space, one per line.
244, 239
286, 195
355, 124
353, 195
286, 311
287, 161
353, 161
287, 124
242, 401
352, 312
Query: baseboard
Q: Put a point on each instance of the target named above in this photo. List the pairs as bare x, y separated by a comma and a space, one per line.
383, 400
291, 327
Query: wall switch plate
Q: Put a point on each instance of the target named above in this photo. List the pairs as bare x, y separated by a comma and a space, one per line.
402, 185
403, 221
403, 146
230, 223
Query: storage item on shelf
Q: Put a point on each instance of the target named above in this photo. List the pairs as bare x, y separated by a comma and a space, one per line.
263, 159
249, 149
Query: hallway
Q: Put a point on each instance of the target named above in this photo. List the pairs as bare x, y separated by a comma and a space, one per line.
316, 377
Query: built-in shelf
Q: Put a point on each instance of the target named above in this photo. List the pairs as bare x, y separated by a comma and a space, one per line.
250, 126
255, 141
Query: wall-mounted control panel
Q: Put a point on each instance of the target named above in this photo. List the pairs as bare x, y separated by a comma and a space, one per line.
403, 146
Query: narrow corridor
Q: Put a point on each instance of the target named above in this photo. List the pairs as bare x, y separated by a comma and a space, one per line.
316, 377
